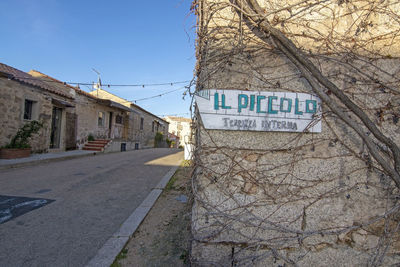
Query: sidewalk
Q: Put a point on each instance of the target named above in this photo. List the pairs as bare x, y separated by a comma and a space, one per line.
46, 157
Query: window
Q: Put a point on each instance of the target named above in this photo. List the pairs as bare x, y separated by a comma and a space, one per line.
101, 118
28, 110
152, 127
118, 119
141, 123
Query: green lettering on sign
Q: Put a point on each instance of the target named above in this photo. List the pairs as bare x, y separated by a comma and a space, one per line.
259, 98
242, 104
289, 105
270, 99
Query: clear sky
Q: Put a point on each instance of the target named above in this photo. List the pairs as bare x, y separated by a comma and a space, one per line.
127, 41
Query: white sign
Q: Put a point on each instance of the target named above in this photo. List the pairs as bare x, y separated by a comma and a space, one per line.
259, 111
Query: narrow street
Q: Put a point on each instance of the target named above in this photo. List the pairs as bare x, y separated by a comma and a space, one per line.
80, 203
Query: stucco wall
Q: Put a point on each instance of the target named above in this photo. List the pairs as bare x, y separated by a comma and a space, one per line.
180, 127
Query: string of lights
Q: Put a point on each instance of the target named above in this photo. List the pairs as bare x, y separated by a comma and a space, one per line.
107, 85
132, 85
177, 114
159, 95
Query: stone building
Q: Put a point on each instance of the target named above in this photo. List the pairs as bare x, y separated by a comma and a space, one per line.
69, 115
315, 193
103, 119
143, 125
182, 127
174, 140
24, 99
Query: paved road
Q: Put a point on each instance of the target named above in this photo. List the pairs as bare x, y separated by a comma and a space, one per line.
92, 197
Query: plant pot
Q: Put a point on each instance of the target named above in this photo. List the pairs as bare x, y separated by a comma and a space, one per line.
14, 153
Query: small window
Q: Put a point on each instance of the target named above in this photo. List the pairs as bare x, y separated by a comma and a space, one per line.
141, 123
101, 118
28, 110
152, 127
118, 119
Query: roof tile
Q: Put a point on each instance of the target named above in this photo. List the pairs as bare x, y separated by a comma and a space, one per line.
25, 78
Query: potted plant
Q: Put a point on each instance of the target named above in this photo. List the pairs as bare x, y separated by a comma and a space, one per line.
19, 146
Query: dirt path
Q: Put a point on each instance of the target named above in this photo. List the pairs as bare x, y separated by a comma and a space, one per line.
163, 237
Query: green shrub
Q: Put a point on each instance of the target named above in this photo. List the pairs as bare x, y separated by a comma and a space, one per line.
20, 140
90, 137
169, 142
158, 139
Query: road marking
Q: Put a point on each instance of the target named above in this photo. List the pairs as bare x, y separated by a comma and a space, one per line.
12, 206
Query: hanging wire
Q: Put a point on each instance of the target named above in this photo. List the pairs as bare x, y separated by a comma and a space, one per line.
108, 85
159, 95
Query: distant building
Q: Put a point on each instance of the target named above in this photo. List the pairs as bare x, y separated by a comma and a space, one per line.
181, 127
174, 140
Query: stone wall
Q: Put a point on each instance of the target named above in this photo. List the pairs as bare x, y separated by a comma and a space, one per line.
306, 199
12, 99
88, 110
145, 135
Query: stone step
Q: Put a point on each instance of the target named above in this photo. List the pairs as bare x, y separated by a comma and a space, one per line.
101, 141
98, 142
95, 145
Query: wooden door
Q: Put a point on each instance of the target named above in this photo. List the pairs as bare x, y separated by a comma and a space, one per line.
71, 129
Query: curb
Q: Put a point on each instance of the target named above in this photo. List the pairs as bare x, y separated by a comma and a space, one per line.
114, 245
34, 162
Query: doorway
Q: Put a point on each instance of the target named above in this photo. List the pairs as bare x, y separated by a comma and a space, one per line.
110, 125
55, 128
71, 120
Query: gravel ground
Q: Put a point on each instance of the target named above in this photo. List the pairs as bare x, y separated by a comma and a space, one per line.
163, 238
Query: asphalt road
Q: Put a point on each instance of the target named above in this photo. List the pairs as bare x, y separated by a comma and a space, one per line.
79, 202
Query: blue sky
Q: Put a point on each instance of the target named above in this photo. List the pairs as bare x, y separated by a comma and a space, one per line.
127, 41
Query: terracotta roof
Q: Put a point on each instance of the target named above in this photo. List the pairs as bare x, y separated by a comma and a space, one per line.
114, 104
134, 105
173, 135
25, 78
181, 119
48, 79
51, 79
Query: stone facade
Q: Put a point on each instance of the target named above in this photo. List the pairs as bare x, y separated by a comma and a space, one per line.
142, 125
86, 110
281, 198
12, 98
16, 89
182, 127
69, 115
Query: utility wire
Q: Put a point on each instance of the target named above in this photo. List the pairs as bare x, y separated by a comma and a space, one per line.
178, 114
105, 85
132, 85
159, 95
